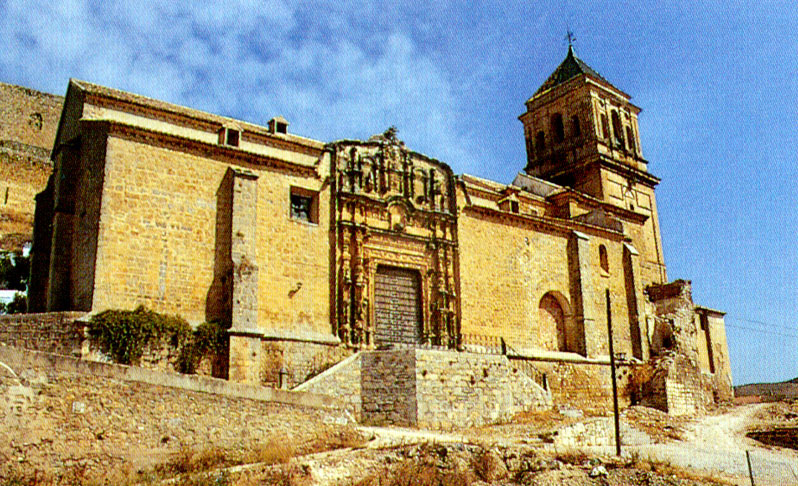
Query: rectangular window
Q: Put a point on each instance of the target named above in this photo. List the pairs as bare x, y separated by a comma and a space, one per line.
304, 205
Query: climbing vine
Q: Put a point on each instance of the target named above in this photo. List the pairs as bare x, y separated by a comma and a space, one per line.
208, 339
124, 335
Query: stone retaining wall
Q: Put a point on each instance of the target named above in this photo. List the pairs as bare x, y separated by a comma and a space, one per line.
430, 388
61, 413
585, 386
388, 383
599, 432
51, 332
342, 381
464, 389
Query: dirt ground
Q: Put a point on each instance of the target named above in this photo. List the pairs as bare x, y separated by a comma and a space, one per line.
677, 451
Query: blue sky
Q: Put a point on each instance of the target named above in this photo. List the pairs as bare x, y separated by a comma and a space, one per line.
717, 81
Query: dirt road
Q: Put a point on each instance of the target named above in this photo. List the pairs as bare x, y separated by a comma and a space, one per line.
717, 443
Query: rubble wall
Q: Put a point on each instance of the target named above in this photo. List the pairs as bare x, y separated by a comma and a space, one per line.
50, 332
456, 390
60, 412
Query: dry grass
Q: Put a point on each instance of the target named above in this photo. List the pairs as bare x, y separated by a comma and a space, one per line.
332, 439
417, 473
572, 457
668, 469
192, 465
189, 460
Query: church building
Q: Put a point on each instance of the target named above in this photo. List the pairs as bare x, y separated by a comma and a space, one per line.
312, 252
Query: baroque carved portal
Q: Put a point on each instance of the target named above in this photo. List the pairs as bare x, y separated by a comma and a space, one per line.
395, 245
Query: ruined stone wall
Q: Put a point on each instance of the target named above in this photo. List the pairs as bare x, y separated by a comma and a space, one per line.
690, 372
721, 377
51, 332
61, 412
676, 387
28, 122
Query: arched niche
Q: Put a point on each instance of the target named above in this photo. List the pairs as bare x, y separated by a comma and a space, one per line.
557, 327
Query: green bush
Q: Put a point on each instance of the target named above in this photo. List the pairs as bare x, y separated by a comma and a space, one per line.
14, 270
209, 338
123, 335
17, 306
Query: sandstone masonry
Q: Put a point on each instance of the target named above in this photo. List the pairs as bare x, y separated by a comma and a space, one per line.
311, 252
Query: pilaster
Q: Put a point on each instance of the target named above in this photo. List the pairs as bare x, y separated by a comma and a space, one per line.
582, 294
634, 296
245, 337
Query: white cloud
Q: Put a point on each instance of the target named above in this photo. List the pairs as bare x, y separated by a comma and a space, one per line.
249, 59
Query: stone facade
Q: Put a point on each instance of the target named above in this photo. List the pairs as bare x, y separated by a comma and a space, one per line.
28, 123
313, 251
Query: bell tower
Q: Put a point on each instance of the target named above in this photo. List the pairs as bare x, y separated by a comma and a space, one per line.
581, 132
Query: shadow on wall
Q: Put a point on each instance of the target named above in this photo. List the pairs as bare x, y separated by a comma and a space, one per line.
218, 303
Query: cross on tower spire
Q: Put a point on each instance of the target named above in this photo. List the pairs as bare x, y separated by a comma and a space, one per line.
570, 37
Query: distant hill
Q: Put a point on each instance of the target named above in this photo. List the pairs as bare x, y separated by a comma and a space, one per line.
787, 389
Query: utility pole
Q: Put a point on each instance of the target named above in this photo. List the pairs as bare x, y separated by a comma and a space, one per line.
614, 379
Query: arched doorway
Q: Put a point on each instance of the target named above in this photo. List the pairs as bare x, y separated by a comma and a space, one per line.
558, 330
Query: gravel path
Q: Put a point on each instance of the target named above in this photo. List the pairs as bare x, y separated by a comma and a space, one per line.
717, 444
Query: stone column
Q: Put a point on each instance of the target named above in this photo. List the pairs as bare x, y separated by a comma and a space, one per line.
634, 292
245, 337
582, 294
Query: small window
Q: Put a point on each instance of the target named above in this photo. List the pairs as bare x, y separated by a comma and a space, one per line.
281, 127
605, 131
603, 260
304, 205
575, 128
557, 128
540, 141
229, 136
514, 207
